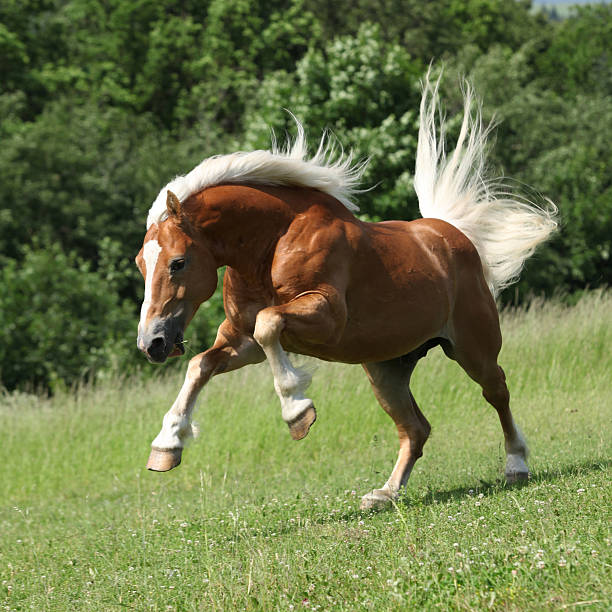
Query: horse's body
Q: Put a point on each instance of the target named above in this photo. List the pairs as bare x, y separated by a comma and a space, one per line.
369, 275
304, 275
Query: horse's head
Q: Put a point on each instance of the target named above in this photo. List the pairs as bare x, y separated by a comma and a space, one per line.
180, 273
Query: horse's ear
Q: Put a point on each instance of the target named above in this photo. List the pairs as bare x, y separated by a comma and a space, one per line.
173, 205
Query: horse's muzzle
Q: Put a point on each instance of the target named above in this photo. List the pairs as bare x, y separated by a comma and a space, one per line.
163, 339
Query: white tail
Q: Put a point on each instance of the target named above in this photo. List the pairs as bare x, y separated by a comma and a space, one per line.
505, 228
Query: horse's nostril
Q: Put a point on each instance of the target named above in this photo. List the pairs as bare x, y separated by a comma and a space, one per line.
157, 348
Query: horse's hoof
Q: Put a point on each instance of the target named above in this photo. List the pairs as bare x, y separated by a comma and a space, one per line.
516, 468
299, 427
513, 477
163, 460
375, 500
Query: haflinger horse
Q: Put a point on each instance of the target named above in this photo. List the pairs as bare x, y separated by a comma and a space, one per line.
304, 275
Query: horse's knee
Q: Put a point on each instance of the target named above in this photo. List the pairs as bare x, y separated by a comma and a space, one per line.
268, 326
203, 366
195, 367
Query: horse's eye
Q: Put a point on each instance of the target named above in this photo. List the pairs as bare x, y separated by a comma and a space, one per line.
176, 265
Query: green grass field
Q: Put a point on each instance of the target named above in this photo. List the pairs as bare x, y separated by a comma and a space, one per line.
252, 520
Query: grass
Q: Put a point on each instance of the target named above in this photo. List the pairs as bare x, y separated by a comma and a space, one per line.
254, 521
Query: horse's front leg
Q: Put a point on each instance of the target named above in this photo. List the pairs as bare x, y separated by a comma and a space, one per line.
230, 351
313, 318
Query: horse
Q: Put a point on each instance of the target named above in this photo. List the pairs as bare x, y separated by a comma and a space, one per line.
305, 275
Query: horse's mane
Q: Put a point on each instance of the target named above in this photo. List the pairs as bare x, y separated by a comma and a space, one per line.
330, 170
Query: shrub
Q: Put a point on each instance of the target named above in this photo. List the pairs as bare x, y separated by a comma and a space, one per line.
60, 321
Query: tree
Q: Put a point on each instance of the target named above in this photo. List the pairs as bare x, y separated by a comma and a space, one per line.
558, 142
367, 92
579, 58
103, 101
60, 321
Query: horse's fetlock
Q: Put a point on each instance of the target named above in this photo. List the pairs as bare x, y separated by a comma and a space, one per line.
178, 425
292, 383
517, 445
287, 387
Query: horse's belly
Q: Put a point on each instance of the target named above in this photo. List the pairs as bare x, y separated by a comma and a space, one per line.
385, 322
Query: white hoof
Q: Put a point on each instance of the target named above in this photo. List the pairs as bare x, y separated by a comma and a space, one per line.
163, 460
300, 427
379, 498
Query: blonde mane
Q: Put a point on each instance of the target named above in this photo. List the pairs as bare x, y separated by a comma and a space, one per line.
328, 171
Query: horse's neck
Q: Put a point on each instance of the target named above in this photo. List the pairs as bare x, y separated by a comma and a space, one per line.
242, 224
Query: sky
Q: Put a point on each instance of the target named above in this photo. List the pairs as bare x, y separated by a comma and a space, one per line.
550, 2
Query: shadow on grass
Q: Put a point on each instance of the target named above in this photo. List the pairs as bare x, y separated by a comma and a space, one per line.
283, 526
542, 475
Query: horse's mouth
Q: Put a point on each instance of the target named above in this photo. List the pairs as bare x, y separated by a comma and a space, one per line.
179, 347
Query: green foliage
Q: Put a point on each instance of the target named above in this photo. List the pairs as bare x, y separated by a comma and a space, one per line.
578, 171
101, 103
558, 142
432, 30
364, 89
77, 174
579, 58
60, 321
241, 41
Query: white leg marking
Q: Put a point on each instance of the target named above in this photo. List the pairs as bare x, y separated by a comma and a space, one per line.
391, 489
399, 476
290, 383
150, 254
177, 427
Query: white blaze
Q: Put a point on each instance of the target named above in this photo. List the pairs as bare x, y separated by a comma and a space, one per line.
150, 254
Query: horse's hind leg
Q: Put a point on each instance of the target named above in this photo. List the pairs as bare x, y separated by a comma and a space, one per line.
390, 381
496, 393
475, 346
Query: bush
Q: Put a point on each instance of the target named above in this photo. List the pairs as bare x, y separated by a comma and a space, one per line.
60, 321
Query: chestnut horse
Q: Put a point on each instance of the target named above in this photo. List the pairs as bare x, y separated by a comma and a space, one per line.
305, 275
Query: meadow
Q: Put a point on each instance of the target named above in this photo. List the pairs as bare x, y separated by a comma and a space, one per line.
254, 521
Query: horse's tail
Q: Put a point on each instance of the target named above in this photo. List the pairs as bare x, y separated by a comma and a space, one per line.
504, 228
